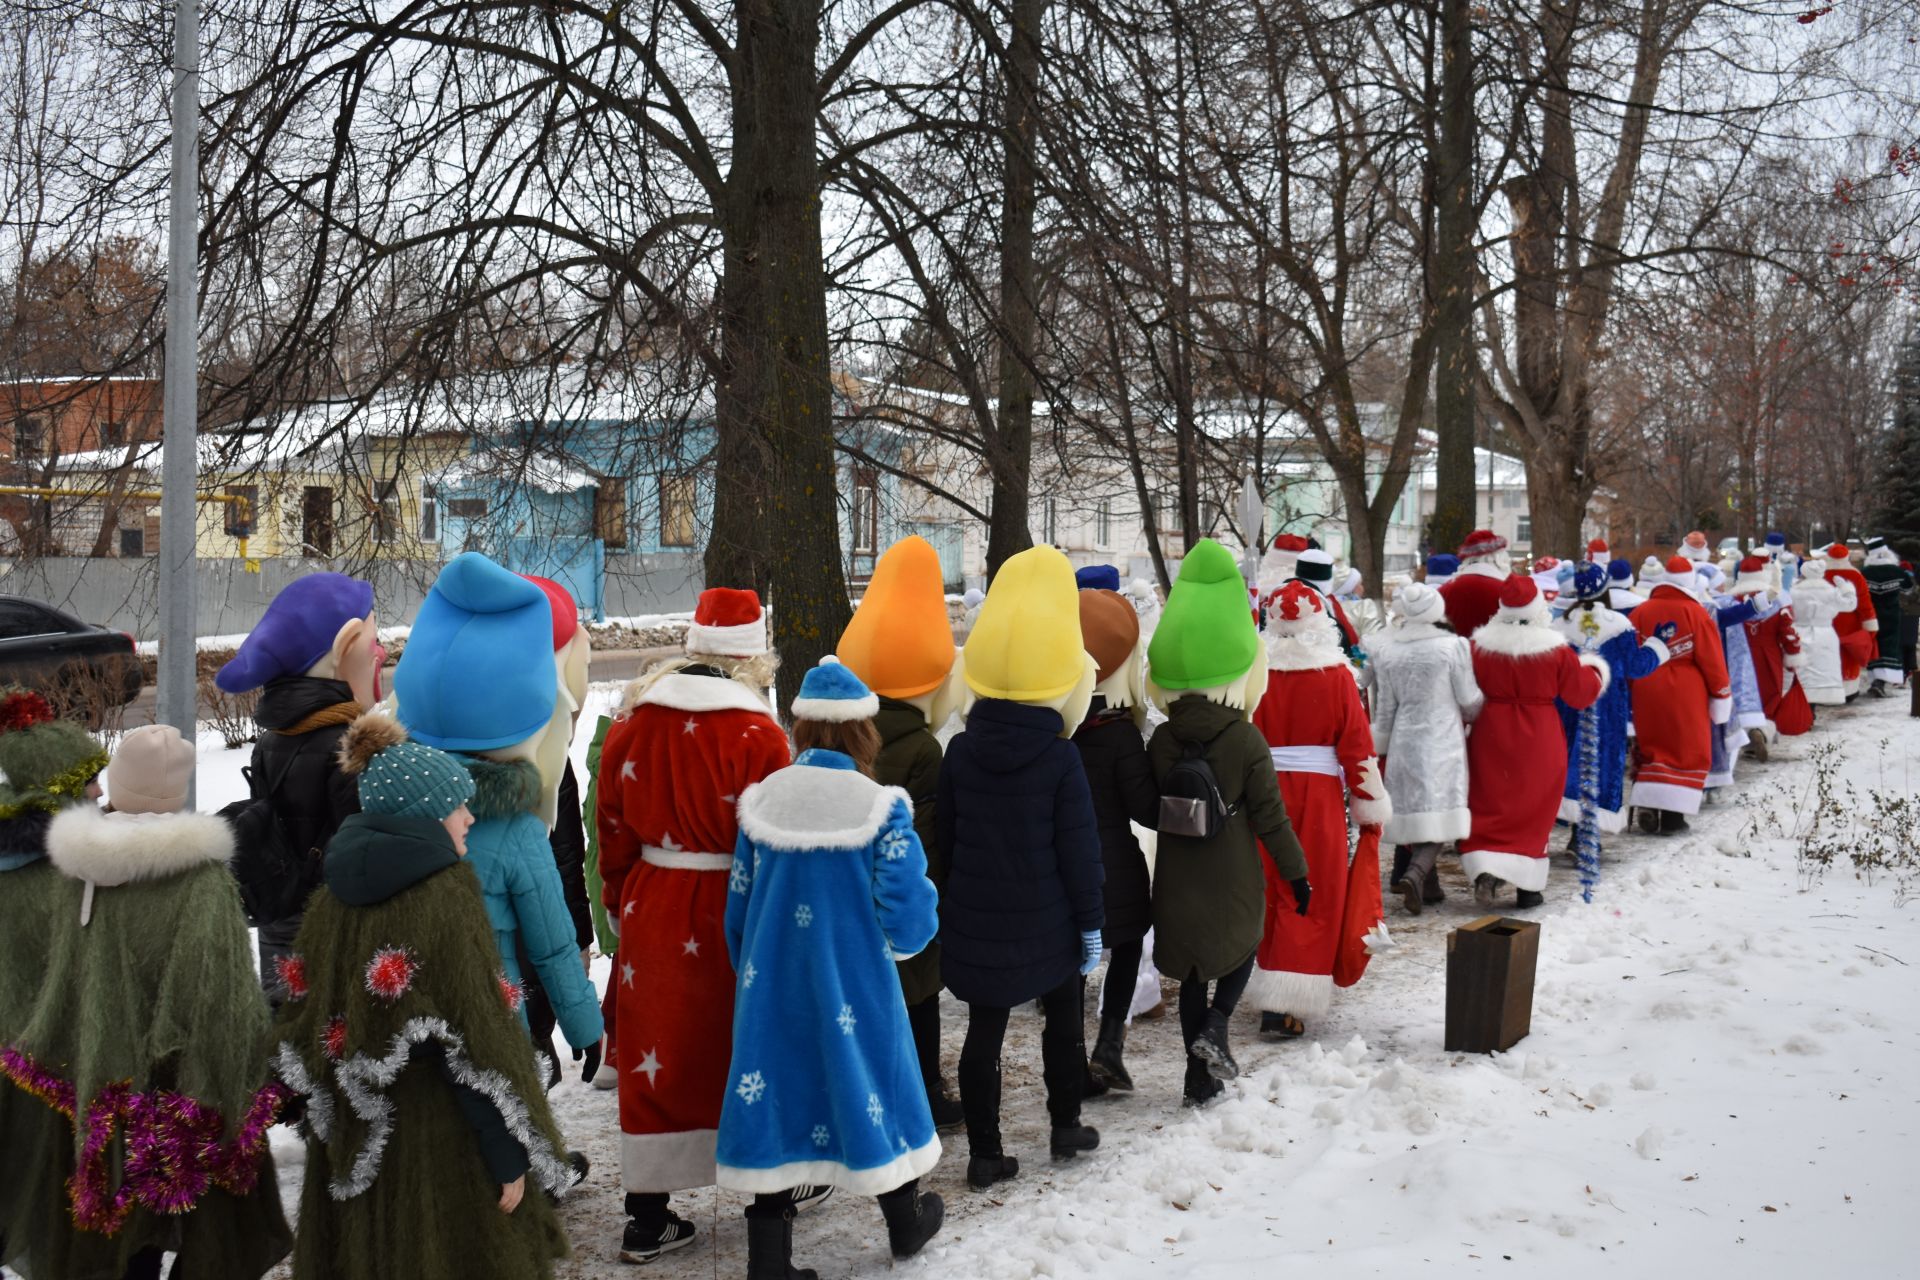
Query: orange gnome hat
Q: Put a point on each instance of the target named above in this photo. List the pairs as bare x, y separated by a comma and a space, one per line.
900, 642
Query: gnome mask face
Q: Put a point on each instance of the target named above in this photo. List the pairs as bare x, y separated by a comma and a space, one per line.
355, 659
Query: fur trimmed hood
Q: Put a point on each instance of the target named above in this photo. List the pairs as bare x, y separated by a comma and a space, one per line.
119, 848
1611, 624
1518, 639
502, 788
808, 806
675, 688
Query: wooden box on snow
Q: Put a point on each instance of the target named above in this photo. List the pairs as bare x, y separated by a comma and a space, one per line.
1490, 966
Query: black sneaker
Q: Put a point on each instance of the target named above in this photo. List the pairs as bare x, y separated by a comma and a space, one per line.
1070, 1140
809, 1196
984, 1171
640, 1245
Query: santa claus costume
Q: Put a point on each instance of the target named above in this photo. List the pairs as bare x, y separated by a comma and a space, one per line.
1314, 568
1816, 603
1676, 709
1517, 755
1621, 597
1693, 548
1856, 624
1589, 626
1440, 569
1474, 593
1546, 576
1887, 579
1769, 646
1322, 750
693, 735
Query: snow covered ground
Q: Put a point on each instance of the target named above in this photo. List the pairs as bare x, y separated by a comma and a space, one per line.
1721, 1071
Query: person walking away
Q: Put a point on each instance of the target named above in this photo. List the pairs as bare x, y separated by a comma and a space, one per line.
1886, 582
1677, 709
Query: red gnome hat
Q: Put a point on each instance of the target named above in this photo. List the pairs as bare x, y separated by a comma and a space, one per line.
728, 623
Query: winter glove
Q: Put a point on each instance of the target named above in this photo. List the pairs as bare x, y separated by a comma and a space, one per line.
1665, 632
592, 1062
1089, 952
1302, 891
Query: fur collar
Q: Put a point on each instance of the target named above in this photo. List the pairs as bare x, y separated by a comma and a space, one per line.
502, 788
1611, 625
1309, 651
683, 692
118, 848
1483, 569
805, 807
1518, 639
1410, 633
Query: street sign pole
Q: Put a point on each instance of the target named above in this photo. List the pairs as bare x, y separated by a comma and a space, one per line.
178, 698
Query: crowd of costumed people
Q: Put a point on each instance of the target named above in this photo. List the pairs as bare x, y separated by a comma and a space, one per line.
1195, 790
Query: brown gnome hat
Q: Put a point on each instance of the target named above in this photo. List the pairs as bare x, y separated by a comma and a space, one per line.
1109, 628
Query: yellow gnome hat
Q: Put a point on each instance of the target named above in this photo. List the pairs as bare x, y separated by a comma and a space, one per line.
1026, 643
900, 642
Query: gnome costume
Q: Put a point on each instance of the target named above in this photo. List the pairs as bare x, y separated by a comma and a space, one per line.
1886, 582
1423, 697
828, 889
1322, 751
1473, 596
693, 734
1677, 709
1206, 669
1591, 627
1517, 754
900, 643
148, 1026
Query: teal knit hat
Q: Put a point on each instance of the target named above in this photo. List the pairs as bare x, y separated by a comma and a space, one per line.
399, 777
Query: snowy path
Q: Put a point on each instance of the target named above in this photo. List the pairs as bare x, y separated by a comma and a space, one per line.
1721, 1070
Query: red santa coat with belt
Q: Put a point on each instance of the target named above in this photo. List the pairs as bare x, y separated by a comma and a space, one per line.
1856, 627
1323, 748
672, 770
1775, 647
1676, 708
1517, 752
1472, 597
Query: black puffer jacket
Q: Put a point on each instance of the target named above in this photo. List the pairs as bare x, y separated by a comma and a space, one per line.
1124, 789
294, 774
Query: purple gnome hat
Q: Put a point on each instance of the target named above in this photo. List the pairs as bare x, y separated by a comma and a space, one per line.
297, 630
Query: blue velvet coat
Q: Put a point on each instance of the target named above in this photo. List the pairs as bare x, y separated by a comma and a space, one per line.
1627, 660
1024, 875
829, 888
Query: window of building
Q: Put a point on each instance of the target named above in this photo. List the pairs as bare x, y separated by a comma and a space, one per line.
133, 543
866, 511
467, 508
386, 510
429, 513
316, 521
1103, 524
610, 511
677, 495
1523, 529
113, 435
29, 439
241, 522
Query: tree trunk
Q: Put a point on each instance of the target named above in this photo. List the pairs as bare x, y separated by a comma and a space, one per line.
1558, 503
1008, 531
809, 591
1452, 275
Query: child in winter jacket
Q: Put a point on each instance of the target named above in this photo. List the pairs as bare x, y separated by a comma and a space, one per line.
429, 1139
1022, 912
150, 1009
1209, 893
828, 887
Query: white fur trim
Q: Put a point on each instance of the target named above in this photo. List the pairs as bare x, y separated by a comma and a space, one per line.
1659, 648
897, 1172
1304, 995
1610, 821
1375, 807
1495, 564
1437, 827
748, 640
118, 848
683, 692
1610, 623
1720, 710
1793, 661
1887, 675
807, 807
656, 1162
1518, 639
1871, 624
836, 710
1306, 650
1669, 796
1516, 869
1595, 662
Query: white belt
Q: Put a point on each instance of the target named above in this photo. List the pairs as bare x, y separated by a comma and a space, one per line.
685, 859
1307, 760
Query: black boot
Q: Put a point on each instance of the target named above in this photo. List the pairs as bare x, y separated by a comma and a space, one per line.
1424, 858
984, 1171
1069, 1140
770, 1247
1672, 823
1649, 821
1093, 1086
1211, 1047
948, 1114
1525, 898
1201, 1087
1402, 856
1108, 1062
912, 1218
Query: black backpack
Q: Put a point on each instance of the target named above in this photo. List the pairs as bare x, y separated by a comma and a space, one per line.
1190, 800
274, 878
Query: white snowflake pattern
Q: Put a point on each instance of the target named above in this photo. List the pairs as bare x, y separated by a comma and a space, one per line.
846, 1020
803, 916
820, 1135
739, 880
751, 1088
748, 974
875, 1112
893, 845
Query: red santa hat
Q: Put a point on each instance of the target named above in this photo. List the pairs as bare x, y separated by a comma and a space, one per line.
1482, 542
728, 623
1296, 609
1521, 601
1681, 576
1838, 556
1277, 565
1597, 551
1752, 577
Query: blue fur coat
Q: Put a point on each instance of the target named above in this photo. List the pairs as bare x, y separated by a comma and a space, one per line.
829, 888
1614, 639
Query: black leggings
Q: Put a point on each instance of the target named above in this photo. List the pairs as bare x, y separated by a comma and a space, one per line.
1123, 975
923, 1020
1063, 1064
1226, 994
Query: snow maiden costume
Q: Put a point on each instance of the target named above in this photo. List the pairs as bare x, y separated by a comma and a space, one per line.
1816, 603
828, 889
692, 736
1517, 754
1886, 580
1322, 750
425, 1102
1423, 695
1679, 708
1591, 627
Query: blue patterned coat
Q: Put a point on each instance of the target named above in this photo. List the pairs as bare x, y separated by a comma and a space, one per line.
1613, 638
1732, 615
829, 888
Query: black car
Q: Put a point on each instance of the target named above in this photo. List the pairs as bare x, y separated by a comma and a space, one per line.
85, 671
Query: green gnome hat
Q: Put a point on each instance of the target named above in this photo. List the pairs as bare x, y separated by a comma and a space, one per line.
1206, 635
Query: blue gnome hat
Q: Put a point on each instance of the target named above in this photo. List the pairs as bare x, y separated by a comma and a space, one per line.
1619, 571
297, 630
478, 670
831, 692
1590, 581
1097, 577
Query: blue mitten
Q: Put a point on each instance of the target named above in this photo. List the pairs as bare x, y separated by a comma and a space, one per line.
1089, 952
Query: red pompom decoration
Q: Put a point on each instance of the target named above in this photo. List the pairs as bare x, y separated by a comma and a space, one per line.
390, 973
22, 709
333, 1037
292, 972
512, 993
